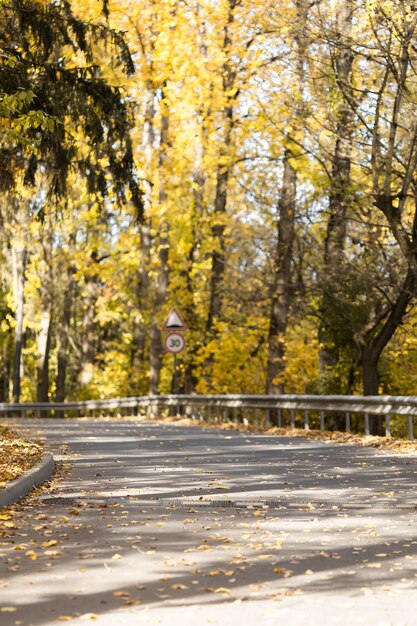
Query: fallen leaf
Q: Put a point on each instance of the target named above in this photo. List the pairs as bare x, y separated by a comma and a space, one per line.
116, 557
91, 616
222, 590
52, 553
121, 594
265, 556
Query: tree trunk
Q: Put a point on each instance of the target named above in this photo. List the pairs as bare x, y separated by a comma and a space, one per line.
42, 364
282, 279
281, 295
63, 340
156, 347
218, 257
339, 196
372, 350
88, 338
156, 352
19, 262
4, 389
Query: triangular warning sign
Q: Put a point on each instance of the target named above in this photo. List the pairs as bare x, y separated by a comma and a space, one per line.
174, 321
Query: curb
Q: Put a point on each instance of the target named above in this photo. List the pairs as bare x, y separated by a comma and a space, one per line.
20, 487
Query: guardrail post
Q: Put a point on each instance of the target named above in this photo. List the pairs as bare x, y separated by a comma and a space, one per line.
410, 428
321, 420
388, 426
306, 422
347, 422
367, 430
235, 415
256, 418
292, 418
279, 418
267, 418
245, 417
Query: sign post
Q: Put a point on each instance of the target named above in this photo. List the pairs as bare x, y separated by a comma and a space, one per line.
174, 342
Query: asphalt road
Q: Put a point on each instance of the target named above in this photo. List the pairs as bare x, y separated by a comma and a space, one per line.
158, 524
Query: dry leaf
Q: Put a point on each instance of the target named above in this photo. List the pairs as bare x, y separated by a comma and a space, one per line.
179, 586
52, 553
116, 557
222, 590
10, 525
121, 594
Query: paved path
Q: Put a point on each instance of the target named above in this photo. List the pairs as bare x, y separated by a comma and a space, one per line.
157, 524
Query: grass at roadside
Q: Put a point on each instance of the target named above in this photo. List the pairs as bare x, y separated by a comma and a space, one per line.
17, 455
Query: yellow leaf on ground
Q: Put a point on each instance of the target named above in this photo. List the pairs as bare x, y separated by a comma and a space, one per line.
52, 552
121, 594
265, 556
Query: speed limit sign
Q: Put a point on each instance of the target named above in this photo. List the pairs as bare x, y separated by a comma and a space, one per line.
174, 343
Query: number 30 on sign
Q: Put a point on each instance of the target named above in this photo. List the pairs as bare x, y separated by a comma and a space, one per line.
174, 343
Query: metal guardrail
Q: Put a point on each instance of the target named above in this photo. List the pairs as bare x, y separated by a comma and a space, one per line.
272, 410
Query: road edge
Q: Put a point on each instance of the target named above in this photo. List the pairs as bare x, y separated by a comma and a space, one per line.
20, 487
